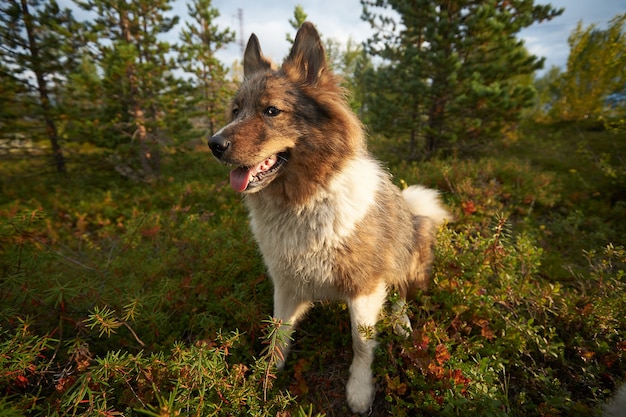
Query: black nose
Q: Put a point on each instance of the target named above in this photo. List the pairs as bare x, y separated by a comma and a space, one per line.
218, 145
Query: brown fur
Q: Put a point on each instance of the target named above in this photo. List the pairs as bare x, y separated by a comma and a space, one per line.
388, 251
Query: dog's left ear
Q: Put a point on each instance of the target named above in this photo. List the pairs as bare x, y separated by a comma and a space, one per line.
307, 54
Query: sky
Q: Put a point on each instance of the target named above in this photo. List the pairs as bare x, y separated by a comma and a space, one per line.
341, 20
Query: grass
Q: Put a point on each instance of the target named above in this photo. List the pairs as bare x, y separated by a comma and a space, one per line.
119, 298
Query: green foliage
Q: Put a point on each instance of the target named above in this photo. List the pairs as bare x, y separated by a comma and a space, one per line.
139, 108
200, 380
608, 159
595, 70
200, 41
591, 88
548, 93
37, 51
512, 323
495, 340
466, 72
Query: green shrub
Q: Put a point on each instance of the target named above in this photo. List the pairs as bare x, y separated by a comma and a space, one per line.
494, 339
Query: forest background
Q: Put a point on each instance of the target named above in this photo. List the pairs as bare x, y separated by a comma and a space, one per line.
130, 284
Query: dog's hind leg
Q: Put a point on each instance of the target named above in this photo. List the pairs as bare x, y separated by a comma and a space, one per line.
289, 310
364, 314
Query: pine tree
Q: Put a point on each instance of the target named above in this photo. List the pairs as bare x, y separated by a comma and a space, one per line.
137, 77
450, 72
201, 39
15, 103
35, 54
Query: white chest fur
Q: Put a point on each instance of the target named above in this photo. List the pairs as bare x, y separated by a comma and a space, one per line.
298, 244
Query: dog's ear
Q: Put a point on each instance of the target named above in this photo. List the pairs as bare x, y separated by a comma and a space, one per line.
307, 55
253, 59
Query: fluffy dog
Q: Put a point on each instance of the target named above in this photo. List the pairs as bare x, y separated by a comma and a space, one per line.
327, 218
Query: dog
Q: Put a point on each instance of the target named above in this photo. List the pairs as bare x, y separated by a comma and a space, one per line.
328, 220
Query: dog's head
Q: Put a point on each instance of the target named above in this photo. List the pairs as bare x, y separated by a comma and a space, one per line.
272, 112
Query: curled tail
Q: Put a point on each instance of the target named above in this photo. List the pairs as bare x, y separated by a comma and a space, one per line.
425, 202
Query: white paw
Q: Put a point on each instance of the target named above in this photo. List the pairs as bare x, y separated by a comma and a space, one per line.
360, 393
403, 326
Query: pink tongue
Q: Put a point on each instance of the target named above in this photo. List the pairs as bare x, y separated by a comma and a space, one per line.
239, 178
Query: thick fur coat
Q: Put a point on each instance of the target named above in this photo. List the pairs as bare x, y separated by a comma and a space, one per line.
327, 218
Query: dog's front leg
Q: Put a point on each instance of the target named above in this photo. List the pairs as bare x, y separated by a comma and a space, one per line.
289, 310
364, 314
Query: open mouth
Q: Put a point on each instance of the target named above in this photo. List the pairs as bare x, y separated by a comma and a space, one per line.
248, 178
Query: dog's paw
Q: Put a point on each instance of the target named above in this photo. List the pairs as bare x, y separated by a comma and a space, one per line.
360, 393
403, 326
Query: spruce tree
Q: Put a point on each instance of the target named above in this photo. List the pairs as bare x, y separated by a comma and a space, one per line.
201, 39
137, 81
449, 77
35, 54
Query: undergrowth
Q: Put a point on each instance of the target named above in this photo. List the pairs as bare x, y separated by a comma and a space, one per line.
126, 299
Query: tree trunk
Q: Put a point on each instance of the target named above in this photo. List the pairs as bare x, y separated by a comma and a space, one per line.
435, 126
413, 136
42, 87
136, 110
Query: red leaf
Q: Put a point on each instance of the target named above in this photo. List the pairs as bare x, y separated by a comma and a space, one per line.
22, 381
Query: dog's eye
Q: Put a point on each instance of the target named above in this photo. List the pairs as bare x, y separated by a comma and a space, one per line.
271, 111
235, 111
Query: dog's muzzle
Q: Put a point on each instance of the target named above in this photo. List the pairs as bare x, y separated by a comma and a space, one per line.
219, 145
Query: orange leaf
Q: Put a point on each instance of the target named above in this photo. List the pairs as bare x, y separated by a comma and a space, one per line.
435, 370
459, 378
468, 207
485, 330
441, 354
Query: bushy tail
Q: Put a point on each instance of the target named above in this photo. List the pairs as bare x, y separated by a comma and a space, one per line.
425, 202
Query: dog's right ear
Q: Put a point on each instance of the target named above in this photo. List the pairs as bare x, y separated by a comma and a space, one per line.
307, 54
253, 59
